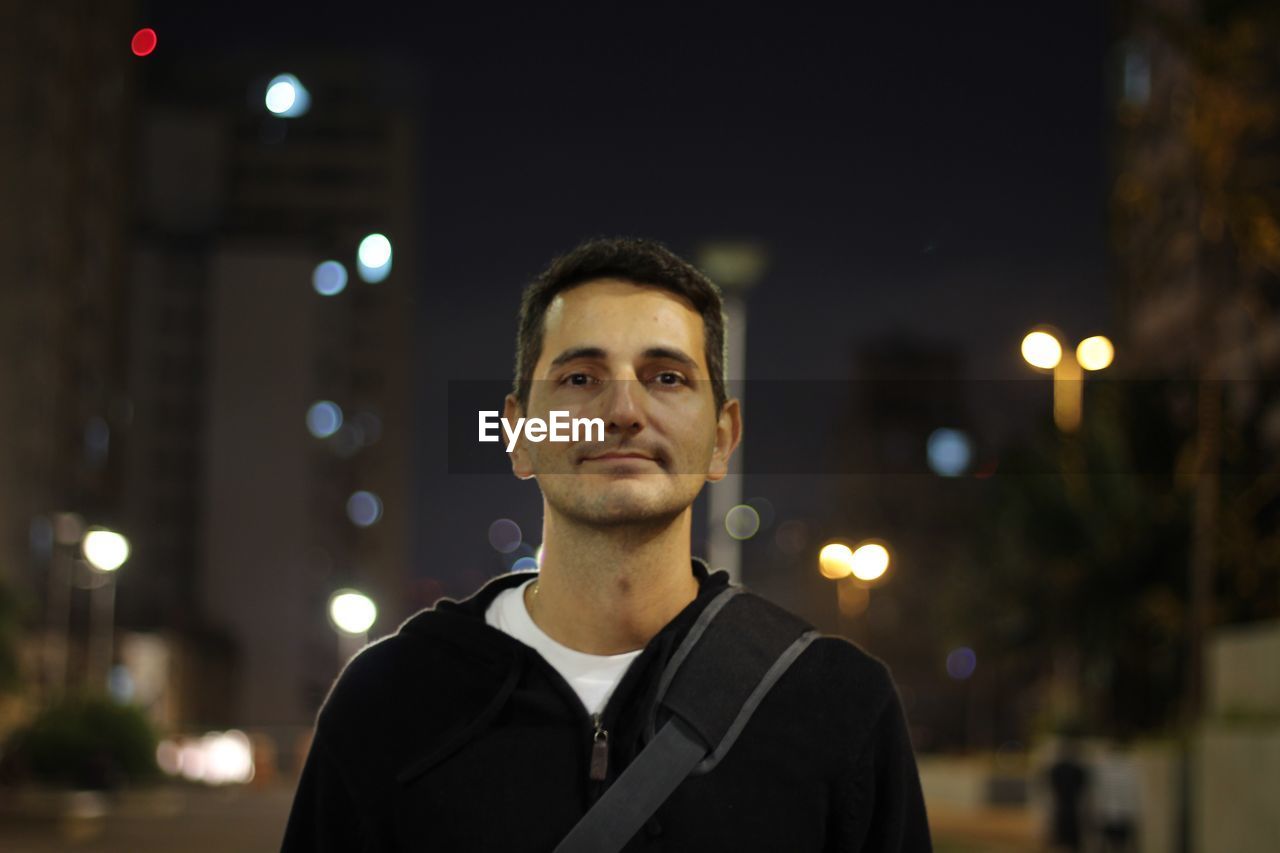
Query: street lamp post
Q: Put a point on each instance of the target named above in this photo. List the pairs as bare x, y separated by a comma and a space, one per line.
352, 614
105, 551
736, 267
68, 528
1042, 349
855, 571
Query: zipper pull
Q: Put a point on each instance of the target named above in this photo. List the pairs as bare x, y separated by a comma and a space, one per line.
599, 752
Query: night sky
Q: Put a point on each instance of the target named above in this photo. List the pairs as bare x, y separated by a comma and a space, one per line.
937, 170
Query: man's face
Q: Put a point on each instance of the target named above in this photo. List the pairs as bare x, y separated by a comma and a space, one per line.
633, 356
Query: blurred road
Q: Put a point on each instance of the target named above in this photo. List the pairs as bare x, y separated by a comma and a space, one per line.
181, 820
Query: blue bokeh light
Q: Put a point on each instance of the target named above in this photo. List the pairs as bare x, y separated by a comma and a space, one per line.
961, 663
949, 451
364, 508
329, 278
505, 535
324, 418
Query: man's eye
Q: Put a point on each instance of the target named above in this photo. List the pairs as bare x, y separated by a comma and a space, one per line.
576, 379
671, 377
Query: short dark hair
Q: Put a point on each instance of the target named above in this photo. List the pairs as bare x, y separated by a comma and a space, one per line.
641, 262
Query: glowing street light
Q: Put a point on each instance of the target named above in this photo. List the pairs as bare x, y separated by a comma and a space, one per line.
104, 549
835, 561
870, 561
287, 97
1042, 350
352, 612
855, 571
373, 258
1095, 353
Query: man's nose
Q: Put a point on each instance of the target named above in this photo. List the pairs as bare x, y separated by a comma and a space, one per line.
623, 410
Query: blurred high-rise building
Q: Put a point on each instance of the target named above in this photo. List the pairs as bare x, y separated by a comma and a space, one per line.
268, 461
67, 91
165, 339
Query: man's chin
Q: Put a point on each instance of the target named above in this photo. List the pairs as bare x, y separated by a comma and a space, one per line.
617, 509
627, 519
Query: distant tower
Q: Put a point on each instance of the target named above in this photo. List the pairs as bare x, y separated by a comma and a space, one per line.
243, 489
65, 77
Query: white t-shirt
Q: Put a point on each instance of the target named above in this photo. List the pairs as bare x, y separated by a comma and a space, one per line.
593, 677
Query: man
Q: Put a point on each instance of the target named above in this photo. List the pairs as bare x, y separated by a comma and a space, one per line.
494, 723
1117, 797
1068, 780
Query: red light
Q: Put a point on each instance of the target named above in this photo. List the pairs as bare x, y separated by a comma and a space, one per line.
144, 41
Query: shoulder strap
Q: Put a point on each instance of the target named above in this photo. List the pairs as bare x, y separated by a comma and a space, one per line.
735, 652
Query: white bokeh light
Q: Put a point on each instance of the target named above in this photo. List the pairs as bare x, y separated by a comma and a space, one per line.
1042, 350
105, 550
870, 560
281, 96
287, 97
215, 758
375, 250
373, 258
352, 612
228, 758
192, 761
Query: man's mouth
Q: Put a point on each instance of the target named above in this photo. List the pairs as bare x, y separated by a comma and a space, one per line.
619, 454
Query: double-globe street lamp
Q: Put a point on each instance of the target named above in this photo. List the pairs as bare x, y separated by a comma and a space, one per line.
1043, 350
104, 551
854, 570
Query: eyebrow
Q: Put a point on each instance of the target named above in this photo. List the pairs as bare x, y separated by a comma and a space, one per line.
598, 353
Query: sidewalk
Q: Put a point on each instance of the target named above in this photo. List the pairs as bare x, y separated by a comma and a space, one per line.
193, 820
987, 830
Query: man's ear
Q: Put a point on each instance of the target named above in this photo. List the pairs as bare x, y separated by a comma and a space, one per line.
728, 436
512, 412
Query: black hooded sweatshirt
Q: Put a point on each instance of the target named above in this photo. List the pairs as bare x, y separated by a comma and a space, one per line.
451, 735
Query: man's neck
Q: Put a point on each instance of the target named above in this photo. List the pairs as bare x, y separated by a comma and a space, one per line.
605, 591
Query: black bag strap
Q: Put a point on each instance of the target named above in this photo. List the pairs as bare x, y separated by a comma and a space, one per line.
735, 652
